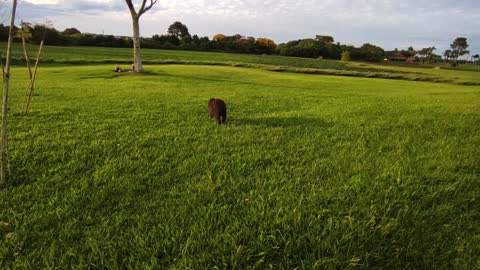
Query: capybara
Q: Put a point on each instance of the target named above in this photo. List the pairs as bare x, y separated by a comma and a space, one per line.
218, 110
118, 68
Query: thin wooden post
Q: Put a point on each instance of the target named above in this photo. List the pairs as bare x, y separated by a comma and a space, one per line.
34, 75
32, 79
6, 84
25, 51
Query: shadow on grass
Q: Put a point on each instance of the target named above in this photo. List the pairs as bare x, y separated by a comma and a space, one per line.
113, 75
18, 175
281, 122
233, 81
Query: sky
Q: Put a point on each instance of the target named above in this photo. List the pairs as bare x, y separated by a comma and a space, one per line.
389, 24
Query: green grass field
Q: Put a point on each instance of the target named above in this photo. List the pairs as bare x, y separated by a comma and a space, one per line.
118, 170
93, 55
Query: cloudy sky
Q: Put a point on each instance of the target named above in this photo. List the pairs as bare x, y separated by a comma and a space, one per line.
387, 23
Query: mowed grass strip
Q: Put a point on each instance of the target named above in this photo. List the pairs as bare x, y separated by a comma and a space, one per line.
117, 170
57, 55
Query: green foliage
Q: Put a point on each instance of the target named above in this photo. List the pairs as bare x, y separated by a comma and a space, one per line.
179, 30
372, 53
324, 39
321, 46
345, 56
459, 49
459, 46
71, 31
119, 170
218, 37
427, 55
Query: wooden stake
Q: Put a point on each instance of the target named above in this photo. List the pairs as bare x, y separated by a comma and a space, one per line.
32, 80
34, 75
6, 84
25, 52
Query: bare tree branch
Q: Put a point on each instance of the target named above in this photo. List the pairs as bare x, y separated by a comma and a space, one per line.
131, 7
144, 8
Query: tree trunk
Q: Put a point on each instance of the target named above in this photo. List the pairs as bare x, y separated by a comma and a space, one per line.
6, 84
137, 60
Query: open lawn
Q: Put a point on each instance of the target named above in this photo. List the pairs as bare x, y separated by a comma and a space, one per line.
119, 170
96, 55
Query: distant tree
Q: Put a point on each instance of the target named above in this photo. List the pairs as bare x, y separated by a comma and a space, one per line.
45, 31
345, 56
410, 52
426, 54
372, 53
166, 41
447, 54
218, 37
71, 31
476, 58
144, 7
321, 46
459, 48
249, 45
4, 32
265, 45
324, 39
179, 30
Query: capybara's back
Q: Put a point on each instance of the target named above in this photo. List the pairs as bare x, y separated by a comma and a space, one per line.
218, 110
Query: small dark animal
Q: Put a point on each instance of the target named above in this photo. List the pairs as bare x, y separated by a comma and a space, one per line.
118, 68
218, 110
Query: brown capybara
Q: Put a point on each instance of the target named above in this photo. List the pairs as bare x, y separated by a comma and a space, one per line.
218, 110
118, 68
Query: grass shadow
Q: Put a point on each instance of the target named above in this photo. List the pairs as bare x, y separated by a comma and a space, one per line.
234, 81
113, 75
19, 174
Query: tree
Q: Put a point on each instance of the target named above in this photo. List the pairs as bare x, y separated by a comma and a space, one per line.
71, 31
179, 30
426, 54
324, 39
137, 61
218, 37
265, 45
45, 31
459, 47
372, 53
410, 52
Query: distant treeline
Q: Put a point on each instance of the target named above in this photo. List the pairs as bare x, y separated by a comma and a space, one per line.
179, 38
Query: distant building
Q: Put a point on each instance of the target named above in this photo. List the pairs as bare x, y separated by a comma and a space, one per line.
411, 60
397, 57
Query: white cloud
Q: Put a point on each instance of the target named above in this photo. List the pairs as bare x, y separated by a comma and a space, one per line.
43, 2
388, 23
